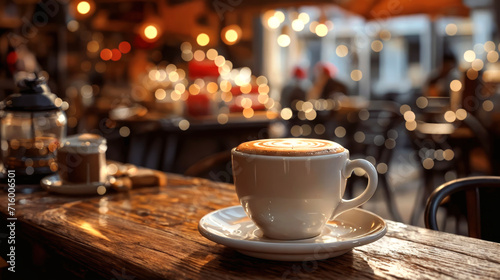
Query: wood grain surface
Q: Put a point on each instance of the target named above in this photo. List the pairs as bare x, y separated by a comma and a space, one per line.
151, 233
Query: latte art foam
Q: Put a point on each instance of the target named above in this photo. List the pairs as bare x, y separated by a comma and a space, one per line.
290, 147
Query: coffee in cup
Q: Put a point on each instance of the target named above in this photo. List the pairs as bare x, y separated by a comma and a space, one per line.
82, 159
291, 187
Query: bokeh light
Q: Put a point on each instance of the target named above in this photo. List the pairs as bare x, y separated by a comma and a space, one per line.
83, 7
248, 113
477, 64
385, 35
106, 54
321, 30
124, 47
451, 29
422, 102
488, 105
489, 46
284, 40
450, 116
455, 85
151, 32
469, 55
356, 75
377, 46
304, 17
124, 131
298, 25
342, 50
231, 34
273, 22
492, 56
73, 25
115, 55
203, 39
340, 131
184, 125
280, 16
286, 113
93, 46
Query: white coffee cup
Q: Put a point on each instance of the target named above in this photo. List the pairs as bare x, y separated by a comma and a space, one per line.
290, 193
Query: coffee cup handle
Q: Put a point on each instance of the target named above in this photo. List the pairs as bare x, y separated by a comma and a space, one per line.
370, 188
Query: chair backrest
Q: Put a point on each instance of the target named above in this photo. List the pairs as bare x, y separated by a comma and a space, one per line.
482, 194
379, 120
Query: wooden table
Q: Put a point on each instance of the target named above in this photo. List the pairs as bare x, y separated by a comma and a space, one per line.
151, 233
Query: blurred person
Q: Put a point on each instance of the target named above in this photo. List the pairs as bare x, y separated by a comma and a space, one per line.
438, 84
325, 85
296, 89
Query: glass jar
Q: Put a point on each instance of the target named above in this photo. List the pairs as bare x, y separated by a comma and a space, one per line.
32, 128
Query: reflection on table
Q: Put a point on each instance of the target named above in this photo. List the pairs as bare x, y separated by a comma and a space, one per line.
151, 233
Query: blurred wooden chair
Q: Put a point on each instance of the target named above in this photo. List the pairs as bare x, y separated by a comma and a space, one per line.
375, 139
435, 155
481, 197
444, 146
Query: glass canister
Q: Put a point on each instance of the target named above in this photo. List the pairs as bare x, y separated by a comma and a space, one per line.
32, 128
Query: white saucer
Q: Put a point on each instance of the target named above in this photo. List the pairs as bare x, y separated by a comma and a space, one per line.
231, 227
53, 183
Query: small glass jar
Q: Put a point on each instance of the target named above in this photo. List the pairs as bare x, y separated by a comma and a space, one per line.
82, 159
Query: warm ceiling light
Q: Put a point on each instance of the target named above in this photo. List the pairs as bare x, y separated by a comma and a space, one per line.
280, 16
202, 39
151, 32
83, 7
469, 55
304, 17
321, 30
297, 25
273, 22
284, 40
231, 34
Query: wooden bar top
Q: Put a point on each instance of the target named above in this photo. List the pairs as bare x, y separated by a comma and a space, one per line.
151, 233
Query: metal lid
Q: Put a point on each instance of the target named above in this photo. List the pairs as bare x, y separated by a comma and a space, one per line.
34, 96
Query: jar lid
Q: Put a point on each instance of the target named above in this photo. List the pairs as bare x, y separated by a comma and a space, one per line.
34, 96
86, 143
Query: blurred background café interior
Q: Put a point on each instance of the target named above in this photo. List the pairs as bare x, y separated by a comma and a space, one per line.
173, 85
